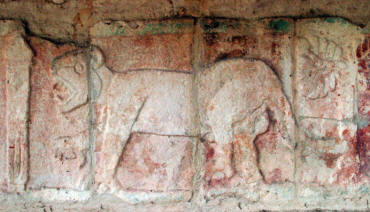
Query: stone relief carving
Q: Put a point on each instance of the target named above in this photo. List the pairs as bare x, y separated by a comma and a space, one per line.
329, 153
243, 98
70, 87
326, 95
134, 110
15, 59
60, 125
322, 62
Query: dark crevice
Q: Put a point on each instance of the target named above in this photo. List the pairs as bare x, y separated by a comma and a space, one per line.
258, 152
167, 135
148, 70
56, 42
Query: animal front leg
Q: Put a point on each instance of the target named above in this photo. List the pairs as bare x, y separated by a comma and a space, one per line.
123, 110
246, 155
245, 159
218, 163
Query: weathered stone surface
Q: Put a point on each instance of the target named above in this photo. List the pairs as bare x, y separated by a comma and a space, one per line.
245, 129
151, 9
329, 155
326, 68
66, 20
326, 102
269, 40
363, 104
145, 45
59, 140
15, 61
264, 8
156, 163
154, 102
182, 115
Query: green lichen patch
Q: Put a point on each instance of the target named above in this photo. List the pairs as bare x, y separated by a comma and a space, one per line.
279, 25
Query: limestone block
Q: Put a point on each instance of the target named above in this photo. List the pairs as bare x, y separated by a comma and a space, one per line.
326, 104
326, 68
15, 62
164, 45
59, 132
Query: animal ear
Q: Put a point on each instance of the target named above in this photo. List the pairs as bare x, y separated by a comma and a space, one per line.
96, 58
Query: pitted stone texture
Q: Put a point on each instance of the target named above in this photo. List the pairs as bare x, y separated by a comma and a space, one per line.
264, 8
15, 62
71, 19
154, 102
147, 9
245, 126
144, 8
59, 139
326, 68
329, 154
334, 197
164, 45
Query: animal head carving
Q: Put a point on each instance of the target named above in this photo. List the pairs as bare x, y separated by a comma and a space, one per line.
70, 77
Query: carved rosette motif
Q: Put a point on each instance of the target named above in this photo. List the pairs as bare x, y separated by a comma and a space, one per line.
322, 62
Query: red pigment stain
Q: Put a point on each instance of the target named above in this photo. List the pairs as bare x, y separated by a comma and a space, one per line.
362, 148
210, 152
362, 54
146, 41
210, 38
274, 176
330, 159
274, 48
348, 174
221, 46
216, 182
347, 135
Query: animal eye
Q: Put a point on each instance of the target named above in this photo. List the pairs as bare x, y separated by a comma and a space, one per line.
79, 68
